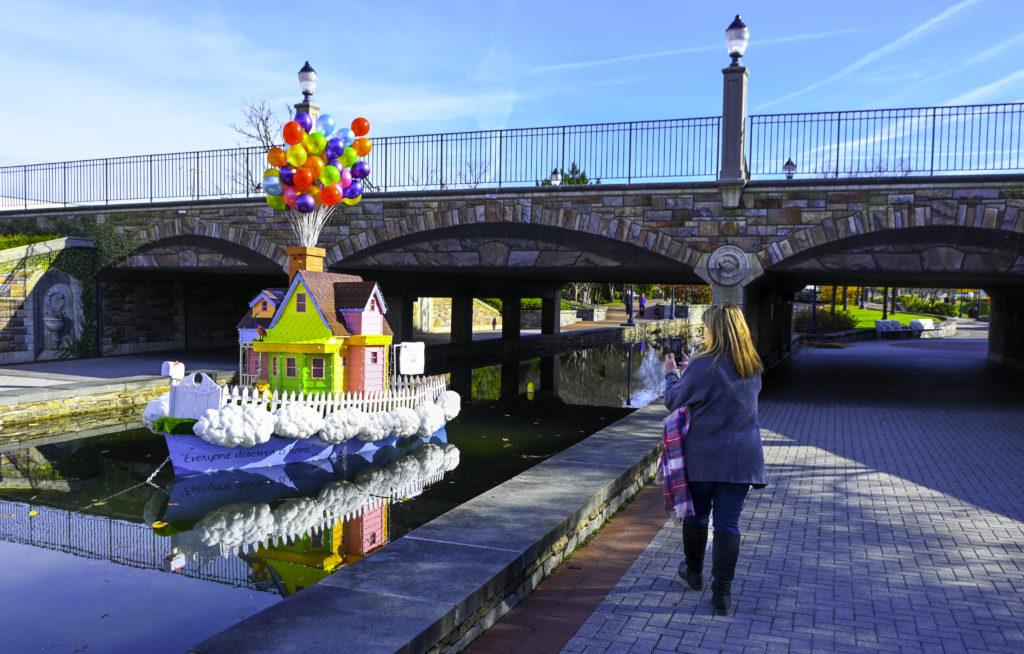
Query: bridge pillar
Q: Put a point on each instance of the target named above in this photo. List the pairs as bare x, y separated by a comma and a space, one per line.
729, 270
551, 312
550, 373
511, 317
733, 175
400, 316
462, 319
1006, 327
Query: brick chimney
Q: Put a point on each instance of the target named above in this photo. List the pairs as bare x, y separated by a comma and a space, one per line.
303, 258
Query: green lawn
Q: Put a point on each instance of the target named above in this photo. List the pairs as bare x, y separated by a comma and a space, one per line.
867, 317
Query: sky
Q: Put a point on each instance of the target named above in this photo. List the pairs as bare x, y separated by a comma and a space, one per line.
112, 78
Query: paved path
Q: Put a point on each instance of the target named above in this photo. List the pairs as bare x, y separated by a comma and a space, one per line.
894, 521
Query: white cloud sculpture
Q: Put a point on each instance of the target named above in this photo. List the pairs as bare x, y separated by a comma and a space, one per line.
297, 421
236, 425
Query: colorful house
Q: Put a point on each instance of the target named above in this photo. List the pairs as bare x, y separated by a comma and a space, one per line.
252, 327
326, 333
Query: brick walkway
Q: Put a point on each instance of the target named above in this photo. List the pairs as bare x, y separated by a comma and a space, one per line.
894, 521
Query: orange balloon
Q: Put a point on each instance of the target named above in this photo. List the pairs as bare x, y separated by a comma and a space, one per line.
277, 157
292, 132
331, 195
314, 191
361, 126
314, 165
362, 146
303, 178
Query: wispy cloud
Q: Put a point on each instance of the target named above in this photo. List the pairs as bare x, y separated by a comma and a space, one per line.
983, 93
980, 57
875, 55
681, 51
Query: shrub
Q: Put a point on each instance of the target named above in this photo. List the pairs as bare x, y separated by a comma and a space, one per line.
8, 241
827, 322
535, 304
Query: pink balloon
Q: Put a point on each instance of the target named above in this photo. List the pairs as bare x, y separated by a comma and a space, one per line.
289, 196
346, 177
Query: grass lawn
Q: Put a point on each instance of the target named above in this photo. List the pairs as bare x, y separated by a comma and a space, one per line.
867, 317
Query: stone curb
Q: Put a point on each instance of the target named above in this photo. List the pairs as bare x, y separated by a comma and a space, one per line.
441, 585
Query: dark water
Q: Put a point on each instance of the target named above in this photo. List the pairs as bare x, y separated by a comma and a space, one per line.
89, 526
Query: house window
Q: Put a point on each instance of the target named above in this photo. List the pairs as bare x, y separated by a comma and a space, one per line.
263, 305
273, 366
300, 303
373, 357
318, 368
344, 361
289, 367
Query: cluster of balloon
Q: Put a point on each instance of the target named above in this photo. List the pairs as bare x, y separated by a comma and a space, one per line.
321, 166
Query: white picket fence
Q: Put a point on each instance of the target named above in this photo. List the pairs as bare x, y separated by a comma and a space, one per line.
407, 392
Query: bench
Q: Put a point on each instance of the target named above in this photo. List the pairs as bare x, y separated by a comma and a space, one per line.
892, 329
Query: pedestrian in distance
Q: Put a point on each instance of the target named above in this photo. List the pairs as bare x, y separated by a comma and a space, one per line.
722, 451
643, 304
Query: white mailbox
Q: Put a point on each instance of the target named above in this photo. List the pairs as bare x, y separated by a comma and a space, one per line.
411, 358
192, 397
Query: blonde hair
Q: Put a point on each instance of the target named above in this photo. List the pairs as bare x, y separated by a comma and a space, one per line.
725, 330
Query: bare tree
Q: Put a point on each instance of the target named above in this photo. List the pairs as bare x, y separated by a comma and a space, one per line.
261, 128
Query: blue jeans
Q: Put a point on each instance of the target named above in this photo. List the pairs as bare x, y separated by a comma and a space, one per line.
725, 498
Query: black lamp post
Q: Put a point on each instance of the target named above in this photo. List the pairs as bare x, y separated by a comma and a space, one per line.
736, 37
814, 311
307, 81
789, 168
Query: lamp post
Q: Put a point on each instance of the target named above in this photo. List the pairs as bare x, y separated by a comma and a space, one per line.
556, 177
789, 168
814, 311
307, 84
732, 176
736, 38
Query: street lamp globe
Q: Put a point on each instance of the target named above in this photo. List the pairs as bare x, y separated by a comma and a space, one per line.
556, 177
307, 81
736, 37
789, 168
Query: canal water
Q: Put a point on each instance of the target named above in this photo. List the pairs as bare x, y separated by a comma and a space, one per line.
105, 550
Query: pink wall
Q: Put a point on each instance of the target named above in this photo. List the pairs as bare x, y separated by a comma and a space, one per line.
364, 375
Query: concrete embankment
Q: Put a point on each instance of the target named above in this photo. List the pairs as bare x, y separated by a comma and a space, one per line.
439, 586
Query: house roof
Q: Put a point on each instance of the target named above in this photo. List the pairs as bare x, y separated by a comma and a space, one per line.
275, 295
248, 322
321, 286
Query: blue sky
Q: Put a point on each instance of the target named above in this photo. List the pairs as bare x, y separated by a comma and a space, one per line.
138, 77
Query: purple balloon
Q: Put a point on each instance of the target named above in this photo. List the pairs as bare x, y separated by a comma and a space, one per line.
304, 119
354, 190
360, 169
305, 203
288, 175
334, 148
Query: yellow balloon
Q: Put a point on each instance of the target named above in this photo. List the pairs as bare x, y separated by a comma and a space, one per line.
297, 155
271, 172
352, 201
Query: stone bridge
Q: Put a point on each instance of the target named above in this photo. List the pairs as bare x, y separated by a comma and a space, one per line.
181, 274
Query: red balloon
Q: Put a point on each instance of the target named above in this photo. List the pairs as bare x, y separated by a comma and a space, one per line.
292, 133
303, 178
289, 196
360, 126
331, 195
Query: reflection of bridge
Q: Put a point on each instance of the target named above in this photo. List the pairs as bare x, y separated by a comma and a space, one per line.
118, 541
910, 197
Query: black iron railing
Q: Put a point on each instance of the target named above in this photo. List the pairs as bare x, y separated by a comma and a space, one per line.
888, 142
883, 142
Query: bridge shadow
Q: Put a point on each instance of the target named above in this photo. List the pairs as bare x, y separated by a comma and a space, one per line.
934, 412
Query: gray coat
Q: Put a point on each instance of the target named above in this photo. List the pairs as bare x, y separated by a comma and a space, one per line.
723, 443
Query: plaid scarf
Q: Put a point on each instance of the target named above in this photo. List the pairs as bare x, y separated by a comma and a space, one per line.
678, 502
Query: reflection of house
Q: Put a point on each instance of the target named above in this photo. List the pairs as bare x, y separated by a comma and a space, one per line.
302, 562
325, 332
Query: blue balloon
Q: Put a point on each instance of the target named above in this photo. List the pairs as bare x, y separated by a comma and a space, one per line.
360, 170
288, 175
305, 203
304, 119
334, 148
347, 137
325, 124
354, 190
273, 185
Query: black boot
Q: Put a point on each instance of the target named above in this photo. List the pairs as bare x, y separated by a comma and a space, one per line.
695, 542
725, 549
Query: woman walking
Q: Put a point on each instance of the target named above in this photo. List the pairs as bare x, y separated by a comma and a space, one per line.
722, 448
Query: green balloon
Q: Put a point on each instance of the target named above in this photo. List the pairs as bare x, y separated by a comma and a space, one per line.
348, 157
297, 155
277, 202
316, 143
330, 176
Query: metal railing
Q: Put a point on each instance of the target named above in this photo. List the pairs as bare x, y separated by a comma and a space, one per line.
883, 142
888, 142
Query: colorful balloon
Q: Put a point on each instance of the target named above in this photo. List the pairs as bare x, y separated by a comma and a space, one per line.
361, 126
348, 157
289, 196
292, 132
276, 202
297, 155
305, 203
276, 157
303, 178
360, 170
325, 124
352, 201
288, 175
330, 196
315, 165
334, 148
354, 189
346, 137
271, 172
346, 177
272, 186
330, 176
362, 146
315, 142
304, 119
